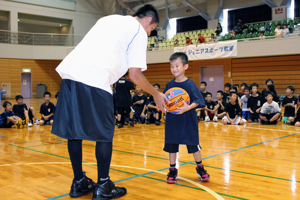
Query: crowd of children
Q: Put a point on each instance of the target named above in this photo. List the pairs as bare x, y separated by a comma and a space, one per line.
20, 116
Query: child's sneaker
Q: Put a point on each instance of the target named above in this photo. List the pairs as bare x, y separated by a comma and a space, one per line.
37, 122
157, 122
120, 125
19, 123
25, 122
201, 172
130, 122
215, 119
172, 176
30, 123
207, 119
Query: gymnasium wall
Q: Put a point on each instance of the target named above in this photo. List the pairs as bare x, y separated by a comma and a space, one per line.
42, 72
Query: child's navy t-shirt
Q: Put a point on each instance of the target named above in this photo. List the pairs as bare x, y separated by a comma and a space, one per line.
138, 108
254, 103
220, 109
123, 96
19, 110
47, 110
233, 110
289, 111
4, 116
210, 105
183, 129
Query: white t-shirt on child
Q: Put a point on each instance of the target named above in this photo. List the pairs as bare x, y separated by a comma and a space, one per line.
244, 101
112, 46
269, 108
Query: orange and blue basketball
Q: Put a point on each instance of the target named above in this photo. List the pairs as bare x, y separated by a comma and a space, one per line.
177, 96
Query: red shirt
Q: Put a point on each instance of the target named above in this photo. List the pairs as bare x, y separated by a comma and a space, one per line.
188, 41
201, 39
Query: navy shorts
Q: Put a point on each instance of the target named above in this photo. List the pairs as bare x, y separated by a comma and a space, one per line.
174, 148
84, 113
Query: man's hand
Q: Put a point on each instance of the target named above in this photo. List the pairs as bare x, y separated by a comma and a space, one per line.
183, 109
160, 99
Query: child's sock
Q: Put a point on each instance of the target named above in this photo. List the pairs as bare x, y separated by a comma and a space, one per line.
199, 163
172, 166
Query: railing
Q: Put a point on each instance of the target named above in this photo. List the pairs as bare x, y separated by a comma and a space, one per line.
39, 38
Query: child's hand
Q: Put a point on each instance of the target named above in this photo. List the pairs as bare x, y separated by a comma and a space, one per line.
251, 112
183, 109
142, 115
139, 102
257, 110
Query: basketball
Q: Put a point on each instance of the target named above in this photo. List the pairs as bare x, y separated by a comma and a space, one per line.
177, 96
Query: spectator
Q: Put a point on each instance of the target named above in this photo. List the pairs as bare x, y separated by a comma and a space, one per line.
232, 34
243, 86
262, 36
241, 23
210, 108
270, 111
156, 45
254, 104
212, 38
219, 29
285, 31
244, 100
264, 92
176, 43
188, 41
201, 39
278, 31
290, 102
233, 111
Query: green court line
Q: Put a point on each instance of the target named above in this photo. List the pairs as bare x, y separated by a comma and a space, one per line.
161, 180
22, 134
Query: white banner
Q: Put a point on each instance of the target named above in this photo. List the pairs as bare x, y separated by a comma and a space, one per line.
209, 51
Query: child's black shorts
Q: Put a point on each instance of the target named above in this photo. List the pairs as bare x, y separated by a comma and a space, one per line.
253, 117
6, 125
174, 148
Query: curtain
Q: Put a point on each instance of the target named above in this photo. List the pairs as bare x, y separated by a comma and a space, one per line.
191, 23
297, 8
249, 15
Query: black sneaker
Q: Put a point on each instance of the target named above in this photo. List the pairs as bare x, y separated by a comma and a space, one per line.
157, 122
130, 122
201, 172
108, 190
172, 176
147, 121
120, 125
81, 187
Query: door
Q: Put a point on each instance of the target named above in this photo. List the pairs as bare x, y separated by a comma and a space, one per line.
214, 77
26, 89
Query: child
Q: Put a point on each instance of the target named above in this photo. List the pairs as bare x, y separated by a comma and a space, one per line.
264, 92
123, 100
8, 118
210, 108
254, 104
233, 111
47, 110
290, 103
20, 109
243, 86
297, 119
237, 89
182, 128
226, 91
233, 88
220, 113
152, 109
139, 105
244, 100
56, 97
200, 111
270, 111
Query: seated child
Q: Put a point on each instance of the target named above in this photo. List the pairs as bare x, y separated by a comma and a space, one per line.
233, 88
47, 110
8, 117
152, 109
200, 111
20, 109
56, 97
226, 92
244, 100
233, 111
139, 105
254, 104
290, 102
297, 119
182, 128
270, 111
220, 113
210, 108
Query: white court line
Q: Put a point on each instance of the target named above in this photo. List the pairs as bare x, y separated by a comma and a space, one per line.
213, 193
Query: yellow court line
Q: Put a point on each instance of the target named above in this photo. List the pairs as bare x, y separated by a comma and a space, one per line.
213, 193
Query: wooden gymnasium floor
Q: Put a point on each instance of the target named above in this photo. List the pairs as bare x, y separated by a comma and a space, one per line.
245, 162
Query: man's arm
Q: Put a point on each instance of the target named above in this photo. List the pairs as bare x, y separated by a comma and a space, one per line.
137, 77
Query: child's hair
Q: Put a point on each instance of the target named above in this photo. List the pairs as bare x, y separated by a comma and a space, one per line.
126, 74
236, 85
6, 103
47, 93
244, 84
220, 92
291, 88
208, 94
233, 87
247, 88
19, 97
203, 82
156, 84
253, 85
269, 80
183, 57
56, 95
270, 93
227, 85
271, 88
231, 93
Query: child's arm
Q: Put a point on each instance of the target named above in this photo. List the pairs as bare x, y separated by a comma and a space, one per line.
143, 112
152, 106
221, 104
228, 117
186, 107
240, 102
232, 122
12, 119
